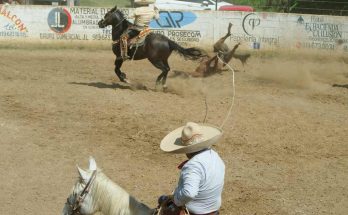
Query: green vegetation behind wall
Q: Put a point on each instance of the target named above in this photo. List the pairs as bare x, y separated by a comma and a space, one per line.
105, 3
337, 7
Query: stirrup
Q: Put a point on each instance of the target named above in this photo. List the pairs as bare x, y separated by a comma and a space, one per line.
123, 58
126, 57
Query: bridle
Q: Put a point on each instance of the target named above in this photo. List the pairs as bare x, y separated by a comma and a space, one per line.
120, 22
75, 207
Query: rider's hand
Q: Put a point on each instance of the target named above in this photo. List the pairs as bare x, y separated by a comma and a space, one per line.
162, 199
165, 198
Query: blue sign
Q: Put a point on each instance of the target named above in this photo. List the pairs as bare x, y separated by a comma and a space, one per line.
256, 45
173, 19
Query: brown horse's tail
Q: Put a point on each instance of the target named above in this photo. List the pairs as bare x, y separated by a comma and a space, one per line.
187, 53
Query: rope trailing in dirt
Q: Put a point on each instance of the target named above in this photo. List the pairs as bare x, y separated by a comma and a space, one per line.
206, 109
233, 91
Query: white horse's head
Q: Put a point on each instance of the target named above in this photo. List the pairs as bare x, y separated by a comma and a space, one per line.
95, 192
80, 201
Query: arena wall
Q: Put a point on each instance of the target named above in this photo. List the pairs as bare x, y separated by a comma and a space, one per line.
264, 31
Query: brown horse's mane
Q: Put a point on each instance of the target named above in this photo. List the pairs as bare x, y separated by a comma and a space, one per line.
123, 17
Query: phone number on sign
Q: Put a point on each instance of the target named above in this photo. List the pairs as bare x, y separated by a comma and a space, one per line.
101, 37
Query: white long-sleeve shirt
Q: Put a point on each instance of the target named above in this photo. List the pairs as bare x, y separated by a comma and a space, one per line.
201, 182
143, 16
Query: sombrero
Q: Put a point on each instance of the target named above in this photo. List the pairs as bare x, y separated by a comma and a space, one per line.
191, 138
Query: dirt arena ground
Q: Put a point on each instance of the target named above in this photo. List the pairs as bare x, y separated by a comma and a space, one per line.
285, 145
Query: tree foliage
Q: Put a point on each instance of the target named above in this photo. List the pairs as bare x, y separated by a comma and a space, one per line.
330, 7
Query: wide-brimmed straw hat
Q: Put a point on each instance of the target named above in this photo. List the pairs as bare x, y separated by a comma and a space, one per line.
191, 138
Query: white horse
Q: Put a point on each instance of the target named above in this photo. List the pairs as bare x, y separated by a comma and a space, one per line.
94, 192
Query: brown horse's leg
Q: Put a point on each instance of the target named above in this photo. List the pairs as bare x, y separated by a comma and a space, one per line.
228, 56
122, 76
219, 45
164, 79
159, 64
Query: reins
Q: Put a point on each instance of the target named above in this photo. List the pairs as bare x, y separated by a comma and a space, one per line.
117, 41
76, 206
119, 22
159, 211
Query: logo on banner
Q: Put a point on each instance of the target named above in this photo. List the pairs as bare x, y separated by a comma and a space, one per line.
59, 20
15, 20
173, 19
250, 22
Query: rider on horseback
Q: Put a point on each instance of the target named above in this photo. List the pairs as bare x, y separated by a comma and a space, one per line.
202, 175
142, 17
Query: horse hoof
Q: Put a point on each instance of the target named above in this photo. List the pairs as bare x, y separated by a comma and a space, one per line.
164, 88
126, 81
156, 86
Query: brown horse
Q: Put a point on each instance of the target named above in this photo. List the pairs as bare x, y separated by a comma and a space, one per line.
221, 47
210, 65
157, 48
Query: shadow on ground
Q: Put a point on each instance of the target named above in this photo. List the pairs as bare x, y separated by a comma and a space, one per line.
102, 85
340, 85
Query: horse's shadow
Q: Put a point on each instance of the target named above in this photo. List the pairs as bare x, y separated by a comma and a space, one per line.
102, 85
340, 85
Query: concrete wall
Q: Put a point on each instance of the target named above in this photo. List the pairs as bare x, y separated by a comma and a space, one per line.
265, 31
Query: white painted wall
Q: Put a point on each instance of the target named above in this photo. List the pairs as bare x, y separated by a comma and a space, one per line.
265, 31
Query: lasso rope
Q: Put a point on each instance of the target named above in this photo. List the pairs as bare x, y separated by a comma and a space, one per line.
233, 91
206, 109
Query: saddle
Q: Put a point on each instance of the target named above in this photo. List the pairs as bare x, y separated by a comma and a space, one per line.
140, 38
137, 40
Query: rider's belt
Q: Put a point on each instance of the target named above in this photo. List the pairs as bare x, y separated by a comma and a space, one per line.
212, 213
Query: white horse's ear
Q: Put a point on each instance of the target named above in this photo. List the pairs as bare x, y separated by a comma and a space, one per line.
92, 164
83, 174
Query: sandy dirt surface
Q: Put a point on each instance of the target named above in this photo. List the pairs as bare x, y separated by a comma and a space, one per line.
285, 146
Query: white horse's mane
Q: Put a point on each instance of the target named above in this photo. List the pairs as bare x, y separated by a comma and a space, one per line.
111, 199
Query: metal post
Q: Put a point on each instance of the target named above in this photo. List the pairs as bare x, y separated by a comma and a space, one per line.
216, 5
288, 6
70, 3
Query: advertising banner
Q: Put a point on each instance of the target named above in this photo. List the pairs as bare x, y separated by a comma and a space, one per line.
263, 31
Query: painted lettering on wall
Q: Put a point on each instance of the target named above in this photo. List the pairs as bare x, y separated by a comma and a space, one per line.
322, 34
66, 36
183, 37
88, 18
173, 19
257, 42
14, 19
317, 45
323, 30
105, 35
